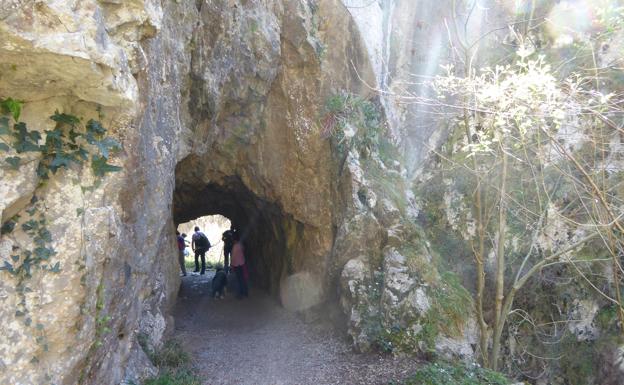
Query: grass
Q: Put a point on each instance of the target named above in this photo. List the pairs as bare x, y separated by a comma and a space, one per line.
174, 377
189, 263
173, 363
451, 305
389, 185
442, 373
171, 355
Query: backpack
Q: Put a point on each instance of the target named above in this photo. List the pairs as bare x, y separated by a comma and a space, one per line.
201, 241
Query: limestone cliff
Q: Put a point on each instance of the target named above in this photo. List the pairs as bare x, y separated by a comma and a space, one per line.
267, 112
216, 106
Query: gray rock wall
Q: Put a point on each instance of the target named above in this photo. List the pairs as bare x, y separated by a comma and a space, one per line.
231, 89
218, 106
121, 63
408, 42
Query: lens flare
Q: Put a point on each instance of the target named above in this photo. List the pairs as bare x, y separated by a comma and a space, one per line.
569, 20
520, 7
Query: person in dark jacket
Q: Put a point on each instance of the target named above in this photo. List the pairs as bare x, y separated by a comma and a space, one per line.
218, 283
228, 243
200, 245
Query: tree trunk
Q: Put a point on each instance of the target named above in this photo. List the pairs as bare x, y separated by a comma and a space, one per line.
500, 265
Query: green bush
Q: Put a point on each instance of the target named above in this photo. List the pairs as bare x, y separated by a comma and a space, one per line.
352, 112
174, 377
189, 262
171, 355
174, 365
442, 373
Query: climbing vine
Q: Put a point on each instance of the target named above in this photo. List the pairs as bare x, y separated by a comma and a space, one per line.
68, 144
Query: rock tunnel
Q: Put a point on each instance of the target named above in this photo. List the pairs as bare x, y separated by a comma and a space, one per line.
263, 225
271, 236
254, 152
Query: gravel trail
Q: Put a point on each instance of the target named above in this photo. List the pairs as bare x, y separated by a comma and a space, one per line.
256, 341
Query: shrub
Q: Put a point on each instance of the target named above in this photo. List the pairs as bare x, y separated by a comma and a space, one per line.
174, 365
174, 377
442, 373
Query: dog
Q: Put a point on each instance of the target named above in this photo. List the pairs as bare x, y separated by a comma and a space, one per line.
218, 283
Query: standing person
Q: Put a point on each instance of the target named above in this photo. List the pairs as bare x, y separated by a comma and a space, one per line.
238, 264
186, 244
181, 247
200, 245
228, 242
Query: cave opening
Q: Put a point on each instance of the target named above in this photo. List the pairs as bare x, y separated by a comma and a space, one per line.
262, 225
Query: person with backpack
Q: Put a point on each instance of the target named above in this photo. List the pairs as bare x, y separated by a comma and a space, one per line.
200, 245
181, 247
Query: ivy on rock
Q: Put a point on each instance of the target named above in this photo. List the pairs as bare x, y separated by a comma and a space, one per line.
68, 144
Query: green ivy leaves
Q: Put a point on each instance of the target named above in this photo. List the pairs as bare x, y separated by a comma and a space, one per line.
100, 166
25, 140
65, 119
8, 226
4, 125
36, 229
66, 145
13, 161
95, 127
11, 107
105, 145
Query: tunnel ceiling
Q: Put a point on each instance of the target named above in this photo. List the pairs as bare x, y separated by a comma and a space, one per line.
230, 199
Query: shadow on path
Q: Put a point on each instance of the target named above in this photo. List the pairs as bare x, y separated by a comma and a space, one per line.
256, 341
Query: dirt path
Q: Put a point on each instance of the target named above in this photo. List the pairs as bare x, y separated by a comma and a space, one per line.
255, 341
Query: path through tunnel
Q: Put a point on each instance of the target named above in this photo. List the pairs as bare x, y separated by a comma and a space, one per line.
257, 340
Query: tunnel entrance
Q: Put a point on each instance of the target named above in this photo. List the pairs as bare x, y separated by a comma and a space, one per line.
266, 232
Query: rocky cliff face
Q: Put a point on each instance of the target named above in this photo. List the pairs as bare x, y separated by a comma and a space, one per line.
216, 106
89, 59
249, 109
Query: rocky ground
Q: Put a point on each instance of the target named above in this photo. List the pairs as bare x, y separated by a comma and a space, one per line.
256, 341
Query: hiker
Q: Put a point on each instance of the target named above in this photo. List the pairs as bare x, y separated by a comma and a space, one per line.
238, 264
200, 245
181, 247
218, 283
228, 242
186, 244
